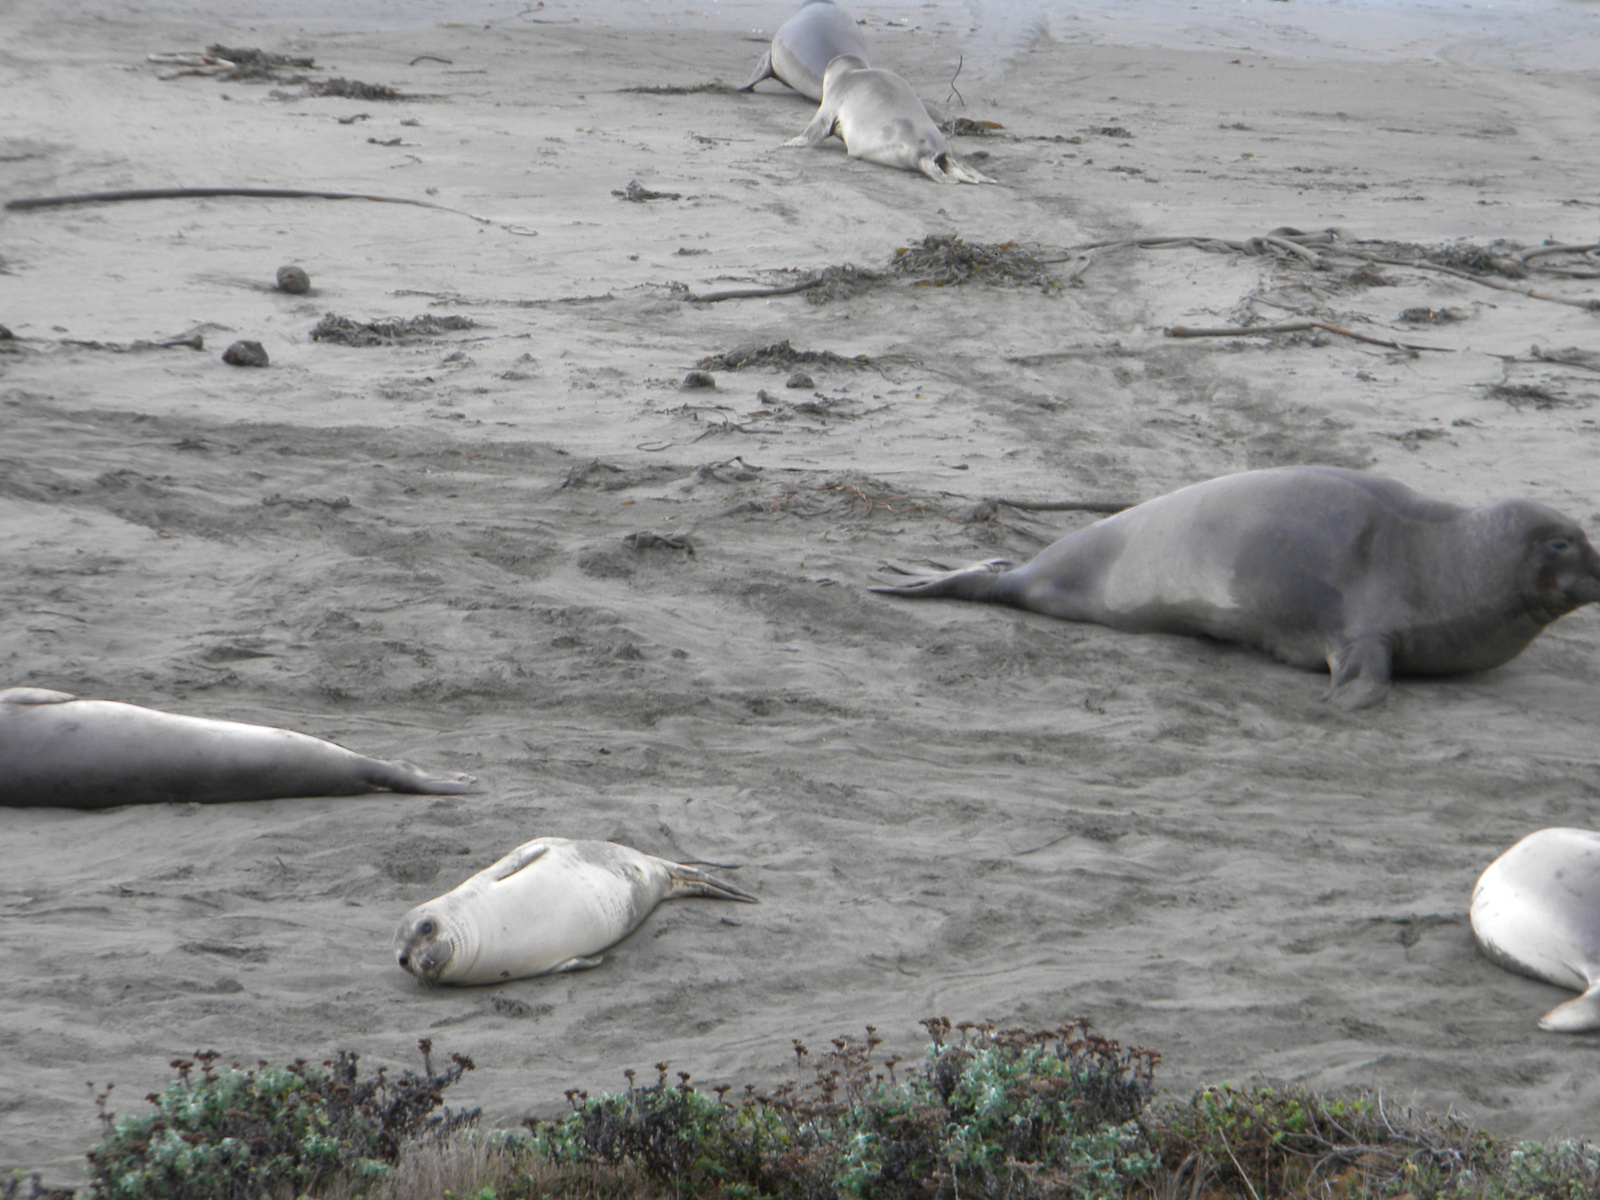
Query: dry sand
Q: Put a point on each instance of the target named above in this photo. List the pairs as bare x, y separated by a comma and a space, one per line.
420, 551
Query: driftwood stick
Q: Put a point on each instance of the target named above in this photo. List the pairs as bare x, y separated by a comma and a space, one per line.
750, 293
1541, 251
1498, 284
1186, 331
202, 192
1096, 506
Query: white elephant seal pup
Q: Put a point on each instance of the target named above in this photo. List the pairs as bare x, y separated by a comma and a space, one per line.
62, 752
550, 905
1536, 910
879, 118
1315, 565
804, 46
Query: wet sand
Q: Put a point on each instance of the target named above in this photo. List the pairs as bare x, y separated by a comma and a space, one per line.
426, 551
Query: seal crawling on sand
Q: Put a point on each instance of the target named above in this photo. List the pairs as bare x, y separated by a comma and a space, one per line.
1536, 910
804, 46
550, 905
1314, 565
59, 751
879, 118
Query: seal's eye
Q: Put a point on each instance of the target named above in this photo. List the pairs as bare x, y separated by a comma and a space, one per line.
1560, 546
426, 929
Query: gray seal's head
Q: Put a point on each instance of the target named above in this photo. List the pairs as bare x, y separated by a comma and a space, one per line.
431, 940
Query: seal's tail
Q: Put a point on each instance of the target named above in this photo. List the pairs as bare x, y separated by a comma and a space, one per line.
986, 582
692, 881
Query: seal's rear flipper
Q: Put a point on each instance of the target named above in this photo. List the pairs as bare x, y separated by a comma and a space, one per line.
403, 777
984, 582
955, 169
1575, 1016
763, 71
691, 881
1361, 673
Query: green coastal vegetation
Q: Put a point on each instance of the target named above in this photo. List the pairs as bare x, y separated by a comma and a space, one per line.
986, 1114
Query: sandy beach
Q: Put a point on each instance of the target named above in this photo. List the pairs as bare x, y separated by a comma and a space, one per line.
428, 549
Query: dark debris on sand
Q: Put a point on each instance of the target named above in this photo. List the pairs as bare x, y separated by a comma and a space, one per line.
354, 89
945, 260
249, 62
346, 332
779, 354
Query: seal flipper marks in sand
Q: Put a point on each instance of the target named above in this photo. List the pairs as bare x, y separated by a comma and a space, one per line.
62, 752
1318, 566
551, 905
1536, 910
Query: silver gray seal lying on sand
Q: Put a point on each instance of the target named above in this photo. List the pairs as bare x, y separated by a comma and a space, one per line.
550, 905
804, 46
879, 118
1536, 910
1314, 565
62, 752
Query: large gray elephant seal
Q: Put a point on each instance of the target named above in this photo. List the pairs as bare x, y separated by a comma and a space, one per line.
1314, 565
804, 46
62, 752
1536, 910
879, 118
550, 905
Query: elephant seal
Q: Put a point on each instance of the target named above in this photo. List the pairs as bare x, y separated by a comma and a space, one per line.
551, 905
879, 118
1536, 910
1314, 565
59, 751
804, 46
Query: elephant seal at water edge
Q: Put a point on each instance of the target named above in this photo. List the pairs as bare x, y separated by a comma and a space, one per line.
59, 751
1536, 910
551, 905
804, 46
879, 118
1314, 565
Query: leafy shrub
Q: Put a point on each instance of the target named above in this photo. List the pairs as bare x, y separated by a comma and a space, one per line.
998, 1114
239, 1134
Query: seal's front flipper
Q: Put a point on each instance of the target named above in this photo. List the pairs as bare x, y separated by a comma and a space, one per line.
519, 858
578, 964
33, 695
763, 71
1575, 1016
1361, 673
820, 129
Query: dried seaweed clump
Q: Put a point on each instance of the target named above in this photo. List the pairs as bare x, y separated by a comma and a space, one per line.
354, 89
248, 62
344, 331
240, 1134
945, 260
842, 282
778, 354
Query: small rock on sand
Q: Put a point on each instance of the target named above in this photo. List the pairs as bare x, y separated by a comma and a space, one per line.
245, 354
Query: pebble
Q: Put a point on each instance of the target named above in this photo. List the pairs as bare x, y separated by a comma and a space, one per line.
245, 354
